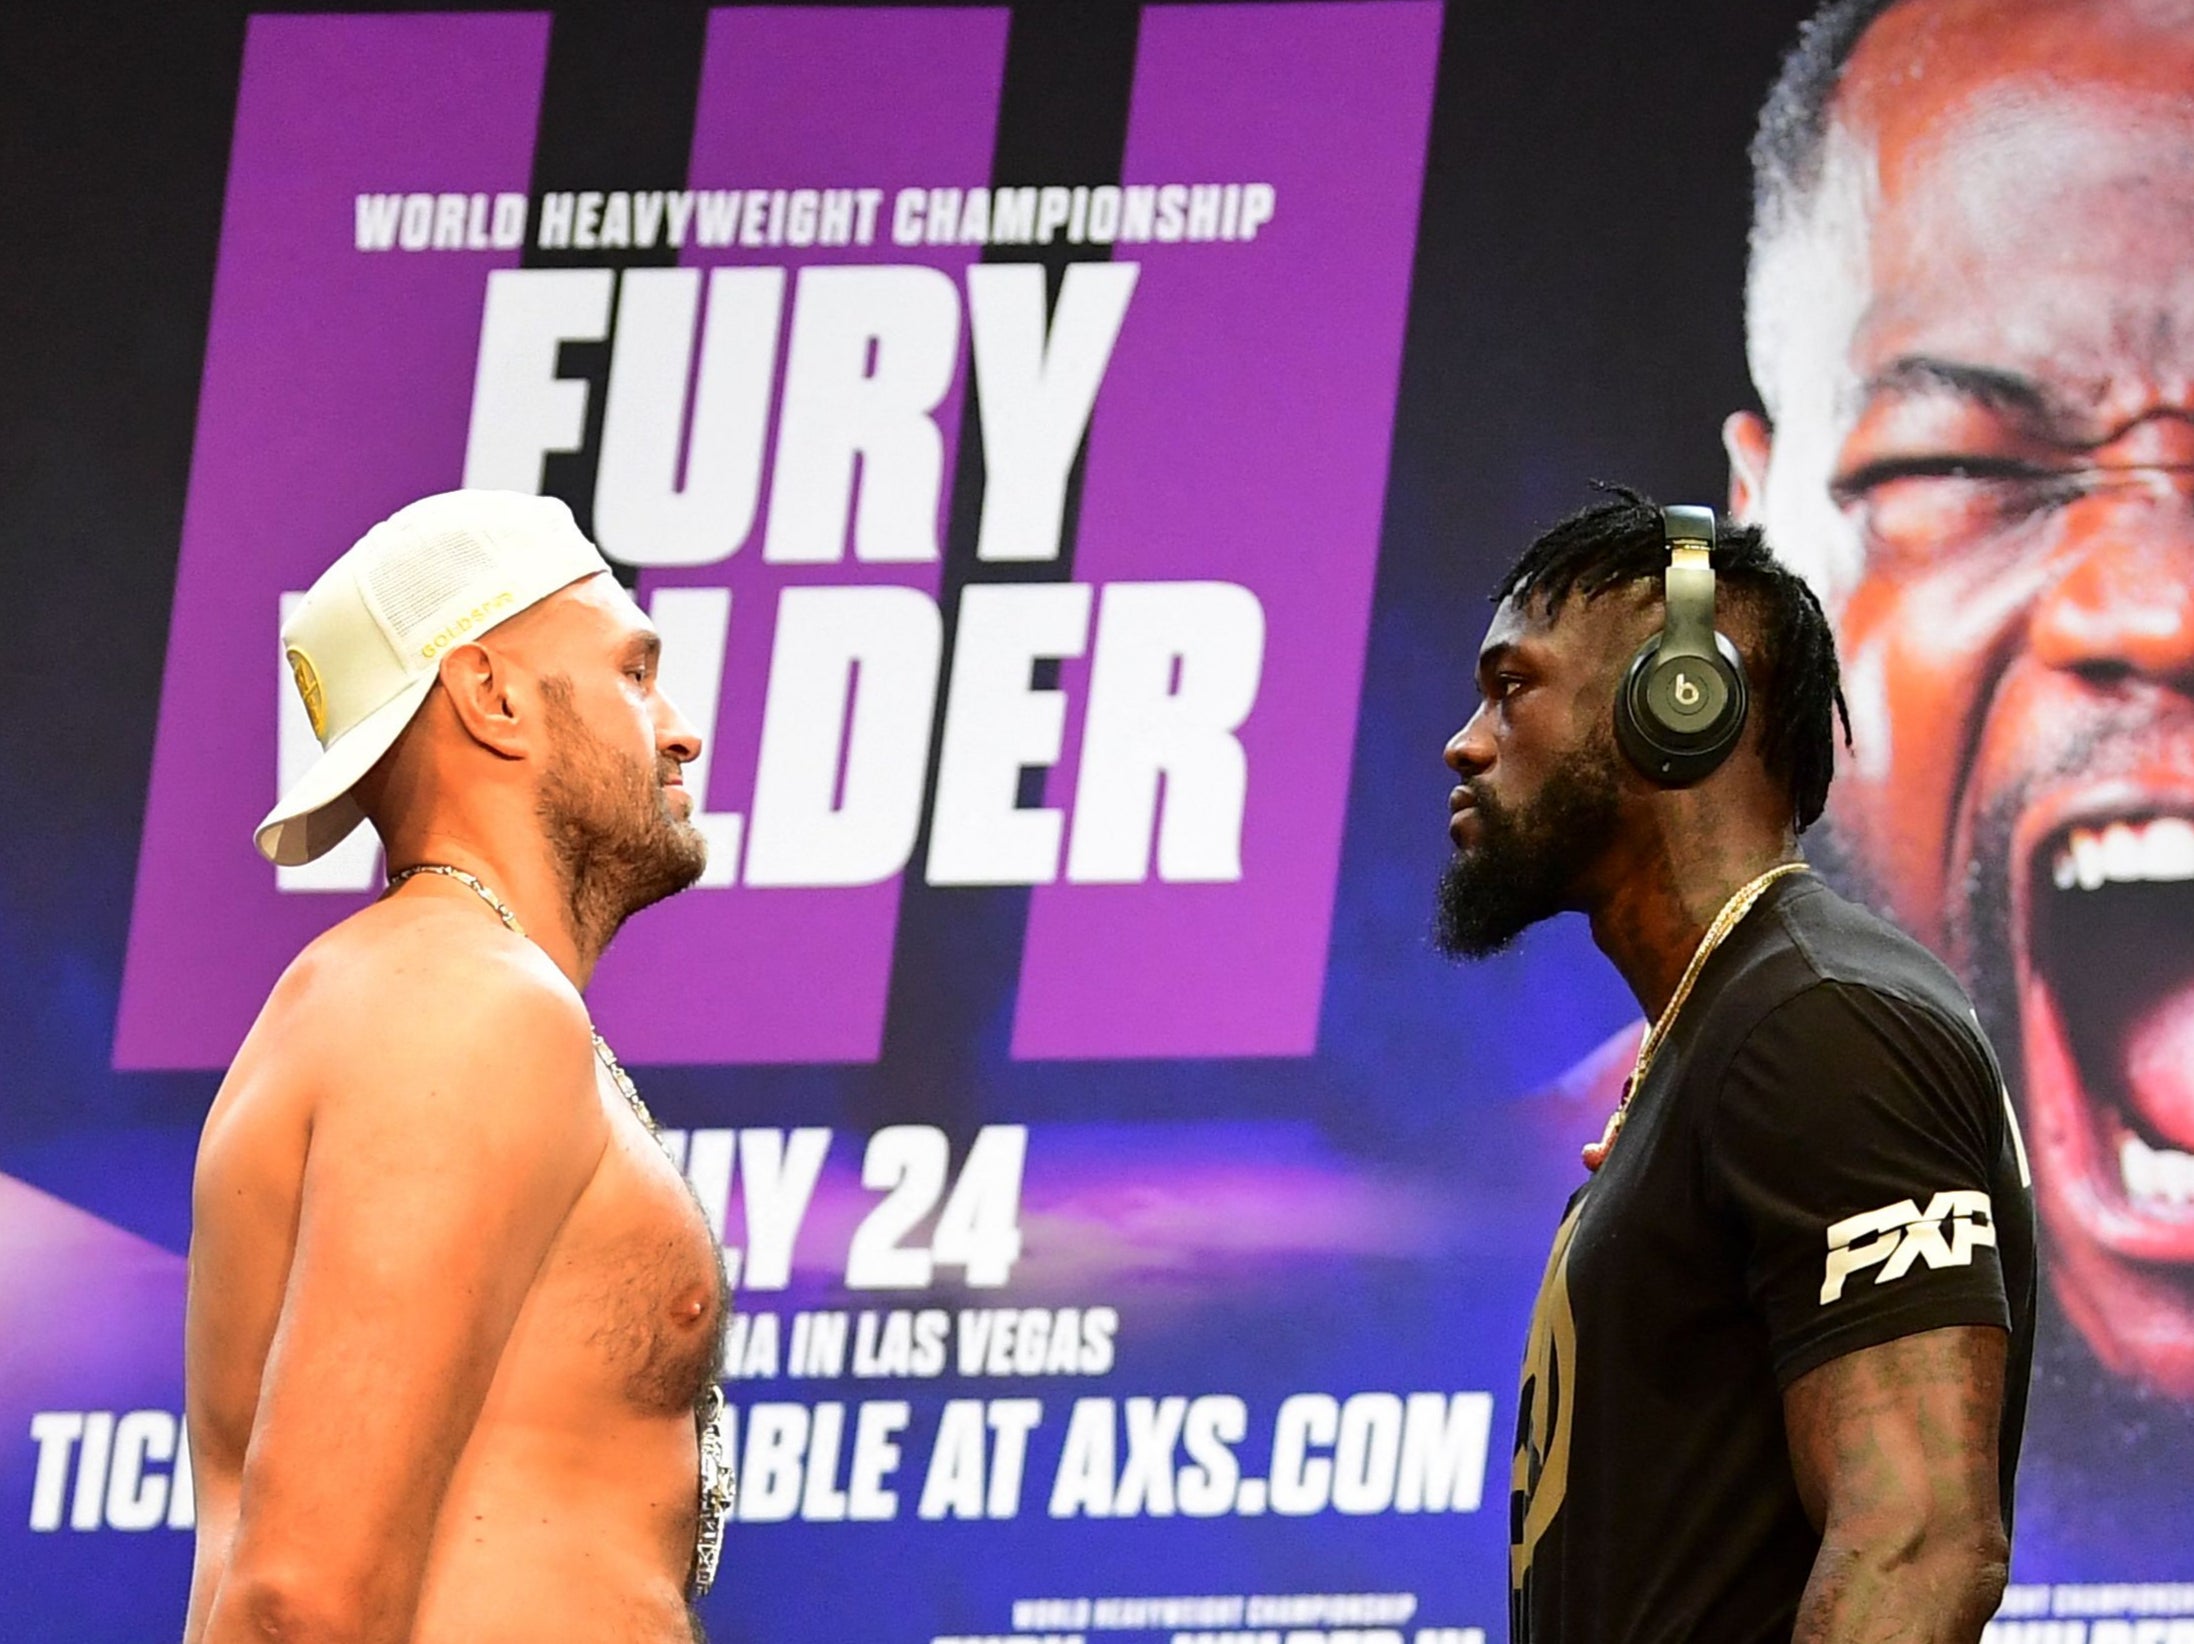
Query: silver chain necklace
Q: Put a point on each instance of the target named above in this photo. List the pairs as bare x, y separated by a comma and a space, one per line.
718, 1483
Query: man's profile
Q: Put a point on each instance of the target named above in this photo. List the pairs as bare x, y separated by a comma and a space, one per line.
1970, 317
453, 1315
1777, 1369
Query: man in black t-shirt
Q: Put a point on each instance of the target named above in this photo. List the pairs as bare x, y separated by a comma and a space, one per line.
1778, 1365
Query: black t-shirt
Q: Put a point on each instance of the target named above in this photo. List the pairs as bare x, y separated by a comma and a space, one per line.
1822, 1158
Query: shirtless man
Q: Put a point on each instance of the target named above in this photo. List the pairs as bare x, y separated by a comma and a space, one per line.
452, 1309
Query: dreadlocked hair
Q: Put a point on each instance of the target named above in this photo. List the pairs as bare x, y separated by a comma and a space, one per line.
1797, 688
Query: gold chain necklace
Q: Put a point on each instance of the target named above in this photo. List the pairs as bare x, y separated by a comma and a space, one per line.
1732, 912
718, 1482
607, 1057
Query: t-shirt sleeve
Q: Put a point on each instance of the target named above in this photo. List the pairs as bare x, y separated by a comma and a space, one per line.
1853, 1141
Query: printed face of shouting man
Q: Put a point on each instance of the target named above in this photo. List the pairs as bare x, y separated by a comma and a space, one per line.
1974, 333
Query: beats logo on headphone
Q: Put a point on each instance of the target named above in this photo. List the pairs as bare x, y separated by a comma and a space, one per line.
1682, 703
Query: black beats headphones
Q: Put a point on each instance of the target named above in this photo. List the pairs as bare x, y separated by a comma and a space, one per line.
1682, 704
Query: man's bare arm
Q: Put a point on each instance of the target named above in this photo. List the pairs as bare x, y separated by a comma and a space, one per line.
1895, 1453
455, 1124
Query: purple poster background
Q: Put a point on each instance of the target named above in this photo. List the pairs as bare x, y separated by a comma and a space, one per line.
812, 966
1244, 440
1240, 436
1293, 1161
337, 387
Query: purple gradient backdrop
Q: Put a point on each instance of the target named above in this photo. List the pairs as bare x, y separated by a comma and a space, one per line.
337, 388
809, 969
1242, 437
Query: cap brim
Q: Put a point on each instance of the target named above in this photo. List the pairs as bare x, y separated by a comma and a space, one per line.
318, 813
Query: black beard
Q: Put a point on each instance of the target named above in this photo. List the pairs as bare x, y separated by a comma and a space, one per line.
618, 846
1524, 865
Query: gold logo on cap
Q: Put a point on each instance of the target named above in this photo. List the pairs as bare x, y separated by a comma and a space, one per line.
308, 687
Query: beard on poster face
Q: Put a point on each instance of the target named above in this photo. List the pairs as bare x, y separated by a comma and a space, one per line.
1523, 867
619, 844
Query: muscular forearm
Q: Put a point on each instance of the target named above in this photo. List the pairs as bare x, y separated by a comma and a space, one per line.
1911, 1592
1894, 1452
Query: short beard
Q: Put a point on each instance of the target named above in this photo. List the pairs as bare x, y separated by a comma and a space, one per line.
1523, 868
617, 845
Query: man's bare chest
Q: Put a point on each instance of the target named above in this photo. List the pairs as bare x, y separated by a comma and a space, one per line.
631, 1299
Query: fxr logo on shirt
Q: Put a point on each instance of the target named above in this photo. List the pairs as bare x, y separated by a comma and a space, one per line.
1897, 1235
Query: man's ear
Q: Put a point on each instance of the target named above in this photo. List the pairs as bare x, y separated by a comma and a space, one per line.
1750, 442
479, 685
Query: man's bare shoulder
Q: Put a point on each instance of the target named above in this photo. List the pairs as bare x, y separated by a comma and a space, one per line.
409, 1000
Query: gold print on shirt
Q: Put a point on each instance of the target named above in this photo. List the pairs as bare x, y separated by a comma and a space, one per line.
1545, 1408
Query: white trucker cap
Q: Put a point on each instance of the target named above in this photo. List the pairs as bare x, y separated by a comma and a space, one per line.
366, 642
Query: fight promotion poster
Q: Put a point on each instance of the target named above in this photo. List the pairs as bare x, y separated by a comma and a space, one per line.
1065, 449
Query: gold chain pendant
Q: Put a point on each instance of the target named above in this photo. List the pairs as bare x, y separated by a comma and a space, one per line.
1725, 920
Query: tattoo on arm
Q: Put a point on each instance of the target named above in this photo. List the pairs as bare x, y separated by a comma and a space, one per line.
1894, 1448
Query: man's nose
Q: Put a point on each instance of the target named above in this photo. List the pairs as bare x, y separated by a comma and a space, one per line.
2125, 606
675, 734
1470, 750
